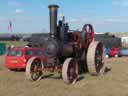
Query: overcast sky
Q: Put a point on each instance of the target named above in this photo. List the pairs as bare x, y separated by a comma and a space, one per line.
32, 15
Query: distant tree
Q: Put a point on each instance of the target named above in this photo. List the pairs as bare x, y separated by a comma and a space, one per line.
113, 36
15, 38
107, 33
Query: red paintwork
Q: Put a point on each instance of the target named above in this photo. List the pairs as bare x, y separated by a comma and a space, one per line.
89, 34
113, 52
19, 62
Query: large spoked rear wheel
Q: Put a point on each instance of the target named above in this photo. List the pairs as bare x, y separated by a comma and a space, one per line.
70, 71
95, 58
34, 68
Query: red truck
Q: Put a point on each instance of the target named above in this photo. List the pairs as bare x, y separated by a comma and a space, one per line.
17, 58
114, 52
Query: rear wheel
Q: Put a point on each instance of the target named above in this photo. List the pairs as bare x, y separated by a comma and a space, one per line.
34, 68
95, 58
70, 71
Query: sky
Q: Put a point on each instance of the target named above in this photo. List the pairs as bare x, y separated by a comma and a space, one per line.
29, 16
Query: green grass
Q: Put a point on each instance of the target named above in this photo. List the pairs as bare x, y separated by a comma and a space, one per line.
15, 43
114, 83
8, 43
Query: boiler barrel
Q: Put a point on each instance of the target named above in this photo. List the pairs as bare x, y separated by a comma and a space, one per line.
67, 50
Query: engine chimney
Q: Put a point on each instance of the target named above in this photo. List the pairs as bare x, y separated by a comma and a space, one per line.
53, 19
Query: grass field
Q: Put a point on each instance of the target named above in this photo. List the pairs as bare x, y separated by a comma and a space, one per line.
113, 83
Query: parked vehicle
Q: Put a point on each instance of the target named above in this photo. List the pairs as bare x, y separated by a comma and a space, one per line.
123, 52
2, 48
17, 58
107, 52
114, 52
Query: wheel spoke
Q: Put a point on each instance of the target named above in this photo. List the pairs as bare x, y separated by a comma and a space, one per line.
70, 70
87, 35
33, 67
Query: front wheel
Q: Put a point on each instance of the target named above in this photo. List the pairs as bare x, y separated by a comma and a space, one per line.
70, 71
34, 68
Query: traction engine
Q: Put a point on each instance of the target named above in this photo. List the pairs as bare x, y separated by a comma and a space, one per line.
67, 52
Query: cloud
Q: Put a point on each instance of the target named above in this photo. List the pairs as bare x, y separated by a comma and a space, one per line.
117, 19
114, 20
19, 11
120, 3
3, 19
116, 3
13, 3
24, 19
72, 20
60, 15
125, 4
84, 20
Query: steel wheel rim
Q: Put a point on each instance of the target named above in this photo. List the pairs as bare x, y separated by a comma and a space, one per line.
72, 71
99, 57
35, 72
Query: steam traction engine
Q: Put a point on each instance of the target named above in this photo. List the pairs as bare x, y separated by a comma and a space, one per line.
65, 51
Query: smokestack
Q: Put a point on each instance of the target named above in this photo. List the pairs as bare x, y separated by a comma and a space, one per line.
53, 19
